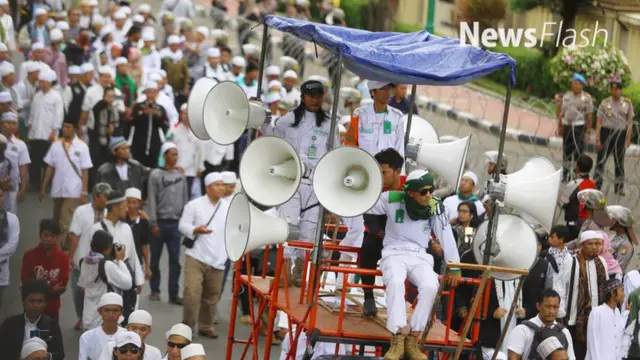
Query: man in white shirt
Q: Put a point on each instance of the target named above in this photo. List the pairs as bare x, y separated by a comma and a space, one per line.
188, 145
7, 24
203, 220
68, 167
213, 157
193, 352
178, 337
606, 325
249, 81
521, 340
8, 243
94, 341
230, 182
466, 192
292, 94
140, 322
18, 154
45, 120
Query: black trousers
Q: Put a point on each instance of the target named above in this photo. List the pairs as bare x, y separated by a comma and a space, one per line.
579, 347
572, 147
37, 150
613, 142
244, 292
370, 254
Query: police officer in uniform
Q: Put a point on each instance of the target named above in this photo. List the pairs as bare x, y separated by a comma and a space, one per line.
307, 129
574, 123
613, 134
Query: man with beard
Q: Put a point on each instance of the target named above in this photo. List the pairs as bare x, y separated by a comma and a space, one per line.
149, 124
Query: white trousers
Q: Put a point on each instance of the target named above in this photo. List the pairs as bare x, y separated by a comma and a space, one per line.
300, 210
397, 265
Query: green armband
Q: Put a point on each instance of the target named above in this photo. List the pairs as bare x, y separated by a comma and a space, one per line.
455, 271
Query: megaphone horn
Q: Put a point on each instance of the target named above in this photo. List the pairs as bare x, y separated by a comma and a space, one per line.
270, 171
445, 159
222, 112
248, 228
347, 181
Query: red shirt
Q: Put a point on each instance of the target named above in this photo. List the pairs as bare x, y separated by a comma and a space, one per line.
585, 184
403, 179
53, 268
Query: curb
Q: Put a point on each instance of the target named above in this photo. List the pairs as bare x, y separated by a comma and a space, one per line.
428, 104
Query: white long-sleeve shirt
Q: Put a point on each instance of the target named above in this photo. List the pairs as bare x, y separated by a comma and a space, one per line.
9, 31
47, 114
355, 234
208, 248
94, 342
122, 234
213, 154
8, 249
631, 283
604, 334
188, 147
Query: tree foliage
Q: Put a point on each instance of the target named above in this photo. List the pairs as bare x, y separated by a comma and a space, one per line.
486, 12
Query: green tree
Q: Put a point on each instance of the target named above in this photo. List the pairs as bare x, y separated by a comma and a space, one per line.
486, 12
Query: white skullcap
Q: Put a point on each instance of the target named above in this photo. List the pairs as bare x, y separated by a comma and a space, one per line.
137, 18
212, 177
272, 97
150, 85
10, 116
229, 177
155, 77
86, 67
274, 83
144, 8
41, 11
37, 340
3, 139
7, 68
30, 347
303, 3
192, 350
126, 10
166, 147
56, 35
133, 193
250, 49
374, 85
49, 76
148, 36
219, 34
290, 74
203, 30
37, 46
590, 235
416, 174
273, 70
105, 70
3, 47
213, 52
51, 23
140, 316
98, 20
121, 61
180, 330
5, 97
75, 70
342, 129
173, 40
238, 61
62, 25
548, 346
120, 14
110, 298
128, 337
471, 175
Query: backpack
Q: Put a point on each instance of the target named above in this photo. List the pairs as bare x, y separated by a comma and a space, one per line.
542, 333
129, 296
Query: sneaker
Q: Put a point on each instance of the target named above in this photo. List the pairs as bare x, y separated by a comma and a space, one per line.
176, 301
369, 308
246, 319
155, 296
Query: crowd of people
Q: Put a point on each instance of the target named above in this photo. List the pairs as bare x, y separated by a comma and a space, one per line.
96, 118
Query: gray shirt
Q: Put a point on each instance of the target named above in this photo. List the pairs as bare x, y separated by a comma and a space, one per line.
167, 194
576, 107
616, 114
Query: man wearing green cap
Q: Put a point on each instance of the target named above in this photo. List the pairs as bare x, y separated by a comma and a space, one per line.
413, 215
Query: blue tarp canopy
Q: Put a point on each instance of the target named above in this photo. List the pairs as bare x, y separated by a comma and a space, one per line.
415, 58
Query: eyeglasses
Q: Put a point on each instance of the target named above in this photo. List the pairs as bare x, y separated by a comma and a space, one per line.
129, 348
172, 345
424, 192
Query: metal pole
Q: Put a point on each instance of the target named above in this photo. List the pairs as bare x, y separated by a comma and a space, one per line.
317, 246
263, 54
407, 133
493, 220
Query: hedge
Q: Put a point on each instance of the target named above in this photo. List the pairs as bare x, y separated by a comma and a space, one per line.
355, 12
407, 28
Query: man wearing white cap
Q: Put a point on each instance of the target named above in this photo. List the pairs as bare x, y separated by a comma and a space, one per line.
238, 63
18, 154
33, 350
167, 196
272, 72
124, 346
45, 120
606, 324
577, 283
272, 100
378, 126
213, 69
197, 51
289, 81
178, 337
150, 56
55, 58
466, 192
140, 322
189, 147
552, 349
9, 84
73, 94
164, 98
121, 26
95, 93
193, 352
203, 221
6, 21
96, 340
177, 68
139, 222
149, 126
35, 30
26, 89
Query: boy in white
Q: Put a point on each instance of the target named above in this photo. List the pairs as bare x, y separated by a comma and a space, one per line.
412, 216
140, 323
95, 341
606, 325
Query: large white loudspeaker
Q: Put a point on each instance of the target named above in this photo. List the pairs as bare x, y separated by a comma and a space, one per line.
445, 159
421, 131
195, 106
515, 245
226, 113
347, 181
247, 228
270, 171
533, 190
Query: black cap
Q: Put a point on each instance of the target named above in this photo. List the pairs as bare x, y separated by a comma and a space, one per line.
616, 84
312, 87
